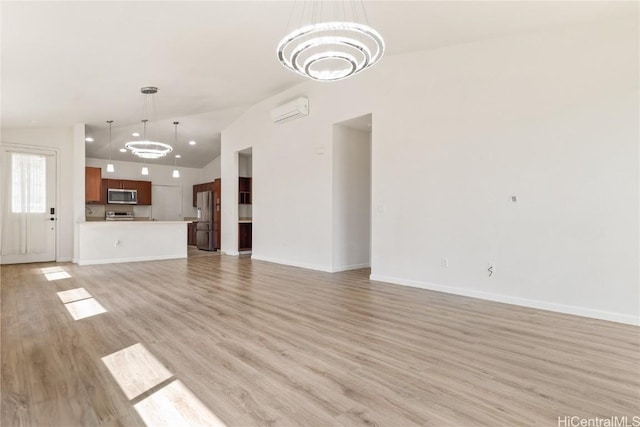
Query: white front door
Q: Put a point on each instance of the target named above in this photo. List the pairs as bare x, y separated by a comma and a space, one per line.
28, 206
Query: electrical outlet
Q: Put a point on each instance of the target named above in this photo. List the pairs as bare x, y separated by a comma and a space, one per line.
444, 262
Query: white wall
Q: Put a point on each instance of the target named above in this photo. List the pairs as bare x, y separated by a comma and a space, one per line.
245, 165
78, 172
351, 198
158, 175
61, 140
210, 172
550, 117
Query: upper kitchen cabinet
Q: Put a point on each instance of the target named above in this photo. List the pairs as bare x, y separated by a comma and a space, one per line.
93, 185
197, 188
123, 184
144, 192
244, 191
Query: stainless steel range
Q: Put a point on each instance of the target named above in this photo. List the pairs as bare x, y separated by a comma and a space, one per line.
119, 216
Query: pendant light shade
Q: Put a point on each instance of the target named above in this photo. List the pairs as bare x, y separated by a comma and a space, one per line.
110, 167
145, 170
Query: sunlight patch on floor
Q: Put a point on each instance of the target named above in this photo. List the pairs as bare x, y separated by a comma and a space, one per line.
57, 275
73, 295
136, 370
84, 308
51, 270
175, 405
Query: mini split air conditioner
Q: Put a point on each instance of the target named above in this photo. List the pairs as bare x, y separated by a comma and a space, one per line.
291, 110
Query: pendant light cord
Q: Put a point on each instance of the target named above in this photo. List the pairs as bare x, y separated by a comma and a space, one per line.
175, 159
109, 121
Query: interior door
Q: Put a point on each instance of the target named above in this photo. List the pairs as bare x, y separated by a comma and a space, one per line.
167, 203
28, 206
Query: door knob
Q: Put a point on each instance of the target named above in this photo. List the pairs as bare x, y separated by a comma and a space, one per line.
52, 219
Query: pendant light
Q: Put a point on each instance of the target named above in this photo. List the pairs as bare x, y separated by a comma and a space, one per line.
110, 167
176, 172
145, 169
334, 49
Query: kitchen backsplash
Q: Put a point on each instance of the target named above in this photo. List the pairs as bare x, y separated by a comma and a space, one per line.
96, 212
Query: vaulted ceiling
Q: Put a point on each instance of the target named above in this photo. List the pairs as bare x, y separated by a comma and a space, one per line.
85, 62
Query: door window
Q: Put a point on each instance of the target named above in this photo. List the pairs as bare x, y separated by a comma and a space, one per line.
28, 183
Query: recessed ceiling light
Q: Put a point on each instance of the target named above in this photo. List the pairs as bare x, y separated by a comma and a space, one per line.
192, 143
178, 156
123, 150
135, 134
88, 139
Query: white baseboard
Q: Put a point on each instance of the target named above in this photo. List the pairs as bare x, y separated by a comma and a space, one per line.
65, 259
525, 302
350, 267
231, 253
135, 259
291, 263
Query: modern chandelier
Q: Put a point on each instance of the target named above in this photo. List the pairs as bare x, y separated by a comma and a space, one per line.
334, 49
146, 149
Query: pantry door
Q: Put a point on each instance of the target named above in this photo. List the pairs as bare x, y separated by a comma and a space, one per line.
28, 205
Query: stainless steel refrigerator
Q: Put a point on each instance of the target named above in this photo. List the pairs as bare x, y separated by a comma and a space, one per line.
205, 227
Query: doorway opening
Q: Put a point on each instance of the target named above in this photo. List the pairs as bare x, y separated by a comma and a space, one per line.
351, 190
245, 201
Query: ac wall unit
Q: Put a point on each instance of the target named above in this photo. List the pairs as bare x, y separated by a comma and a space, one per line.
291, 110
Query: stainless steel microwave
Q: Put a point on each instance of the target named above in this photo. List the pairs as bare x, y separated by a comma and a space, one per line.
123, 197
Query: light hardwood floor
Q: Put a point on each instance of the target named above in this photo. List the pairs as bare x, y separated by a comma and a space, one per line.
263, 344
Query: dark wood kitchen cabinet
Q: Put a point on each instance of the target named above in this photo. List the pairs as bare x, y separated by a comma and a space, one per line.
144, 192
244, 236
93, 186
123, 184
206, 186
191, 234
244, 190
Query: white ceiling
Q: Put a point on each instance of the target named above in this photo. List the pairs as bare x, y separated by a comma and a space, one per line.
85, 62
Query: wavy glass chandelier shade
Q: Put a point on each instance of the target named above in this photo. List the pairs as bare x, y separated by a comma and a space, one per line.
331, 50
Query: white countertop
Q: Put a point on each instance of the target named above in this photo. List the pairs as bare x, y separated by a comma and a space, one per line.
134, 222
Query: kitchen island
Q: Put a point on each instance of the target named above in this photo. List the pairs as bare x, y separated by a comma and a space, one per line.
105, 242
